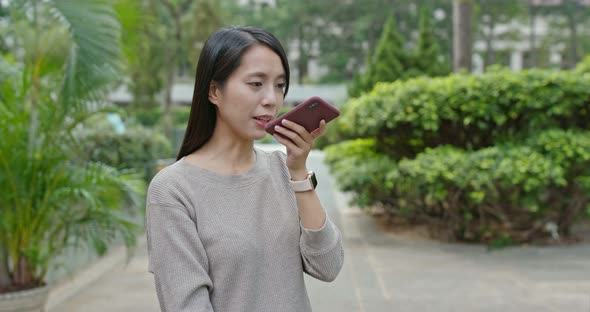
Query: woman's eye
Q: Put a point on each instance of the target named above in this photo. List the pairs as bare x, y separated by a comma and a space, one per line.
281, 85
256, 84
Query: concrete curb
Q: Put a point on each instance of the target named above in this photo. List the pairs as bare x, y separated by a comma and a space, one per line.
69, 287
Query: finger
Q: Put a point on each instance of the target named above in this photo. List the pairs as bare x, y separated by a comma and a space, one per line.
319, 131
293, 136
281, 139
300, 130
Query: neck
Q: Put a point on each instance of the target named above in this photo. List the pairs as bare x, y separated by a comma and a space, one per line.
225, 153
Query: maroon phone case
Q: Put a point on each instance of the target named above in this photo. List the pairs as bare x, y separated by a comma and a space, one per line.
307, 114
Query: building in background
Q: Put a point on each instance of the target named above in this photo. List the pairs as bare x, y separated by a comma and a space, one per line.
182, 94
520, 37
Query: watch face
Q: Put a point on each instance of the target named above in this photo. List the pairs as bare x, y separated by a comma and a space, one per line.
314, 181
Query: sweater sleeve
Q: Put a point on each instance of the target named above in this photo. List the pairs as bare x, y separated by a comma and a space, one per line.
322, 251
177, 259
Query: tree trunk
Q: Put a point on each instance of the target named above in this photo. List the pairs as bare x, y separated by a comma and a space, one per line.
489, 39
23, 275
4, 275
532, 38
302, 62
451, 37
167, 114
573, 50
462, 35
172, 57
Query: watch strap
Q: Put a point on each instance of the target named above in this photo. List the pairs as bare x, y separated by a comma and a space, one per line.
308, 184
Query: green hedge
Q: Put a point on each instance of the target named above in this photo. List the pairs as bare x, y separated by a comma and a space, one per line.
469, 112
497, 157
359, 168
584, 66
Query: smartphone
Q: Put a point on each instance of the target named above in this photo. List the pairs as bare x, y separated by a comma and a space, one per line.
307, 114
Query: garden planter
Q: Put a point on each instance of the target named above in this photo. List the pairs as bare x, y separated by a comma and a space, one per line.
30, 300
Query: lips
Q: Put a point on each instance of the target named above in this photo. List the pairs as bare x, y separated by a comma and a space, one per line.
263, 120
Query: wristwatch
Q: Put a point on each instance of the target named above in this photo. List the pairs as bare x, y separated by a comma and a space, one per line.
308, 184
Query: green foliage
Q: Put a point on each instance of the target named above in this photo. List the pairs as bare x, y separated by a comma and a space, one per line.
337, 131
52, 200
387, 64
584, 66
181, 116
137, 148
94, 57
569, 17
494, 22
143, 50
161, 37
392, 61
340, 37
492, 158
457, 186
358, 167
147, 117
152, 117
470, 112
429, 58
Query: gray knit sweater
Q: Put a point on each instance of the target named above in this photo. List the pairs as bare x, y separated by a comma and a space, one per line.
230, 243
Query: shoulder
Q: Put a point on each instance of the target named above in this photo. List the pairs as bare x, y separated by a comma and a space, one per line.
277, 164
166, 187
276, 158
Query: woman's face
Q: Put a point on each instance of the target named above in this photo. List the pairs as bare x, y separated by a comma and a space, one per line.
252, 95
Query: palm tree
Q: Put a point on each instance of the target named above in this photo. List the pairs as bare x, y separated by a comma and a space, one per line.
66, 54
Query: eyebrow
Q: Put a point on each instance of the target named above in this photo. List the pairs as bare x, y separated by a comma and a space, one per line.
264, 75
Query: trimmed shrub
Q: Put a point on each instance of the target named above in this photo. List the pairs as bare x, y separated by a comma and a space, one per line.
501, 157
359, 168
469, 112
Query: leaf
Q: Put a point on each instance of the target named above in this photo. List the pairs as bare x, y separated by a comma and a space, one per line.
94, 57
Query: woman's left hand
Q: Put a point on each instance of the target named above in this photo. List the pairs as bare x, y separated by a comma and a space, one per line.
299, 143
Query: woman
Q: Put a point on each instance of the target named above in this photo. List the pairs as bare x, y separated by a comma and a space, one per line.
231, 227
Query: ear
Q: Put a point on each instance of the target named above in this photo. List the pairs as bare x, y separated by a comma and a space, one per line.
214, 93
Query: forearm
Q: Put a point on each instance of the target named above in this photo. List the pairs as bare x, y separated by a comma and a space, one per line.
311, 211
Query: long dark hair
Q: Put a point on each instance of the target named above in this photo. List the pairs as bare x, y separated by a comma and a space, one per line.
220, 56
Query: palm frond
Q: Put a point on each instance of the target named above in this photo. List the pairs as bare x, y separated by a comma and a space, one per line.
93, 60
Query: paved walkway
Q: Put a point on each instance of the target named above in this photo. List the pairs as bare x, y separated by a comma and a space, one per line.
382, 272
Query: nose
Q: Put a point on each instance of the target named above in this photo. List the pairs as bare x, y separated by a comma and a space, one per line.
271, 97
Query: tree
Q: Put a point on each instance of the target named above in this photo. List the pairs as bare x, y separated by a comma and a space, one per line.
574, 13
430, 60
64, 57
143, 49
297, 24
491, 14
392, 60
462, 35
532, 15
173, 31
361, 23
167, 40
340, 37
386, 65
